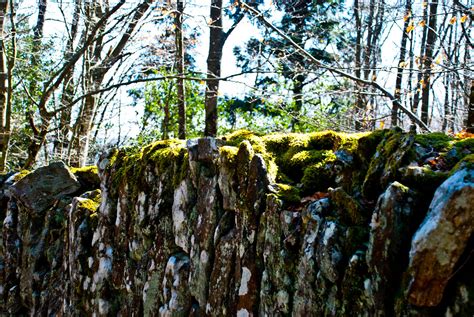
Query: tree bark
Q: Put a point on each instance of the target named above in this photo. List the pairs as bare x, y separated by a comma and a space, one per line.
403, 50
297, 100
4, 133
216, 45
416, 96
180, 69
358, 63
67, 94
99, 66
430, 44
470, 110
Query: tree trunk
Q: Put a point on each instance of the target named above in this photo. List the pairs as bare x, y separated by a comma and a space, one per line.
180, 69
470, 110
297, 101
36, 44
398, 83
430, 43
4, 133
358, 63
216, 44
416, 96
97, 70
68, 87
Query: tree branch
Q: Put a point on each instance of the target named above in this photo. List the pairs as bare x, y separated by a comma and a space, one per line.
318, 63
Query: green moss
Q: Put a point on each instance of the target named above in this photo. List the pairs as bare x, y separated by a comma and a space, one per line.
318, 176
20, 175
328, 140
438, 140
465, 144
229, 153
288, 194
130, 164
288, 155
88, 204
85, 169
237, 137
466, 162
280, 143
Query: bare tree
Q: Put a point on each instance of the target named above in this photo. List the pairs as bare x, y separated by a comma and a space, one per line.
401, 63
97, 68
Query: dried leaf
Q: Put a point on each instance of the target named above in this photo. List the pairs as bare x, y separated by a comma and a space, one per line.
463, 18
422, 23
464, 135
314, 197
407, 16
410, 27
453, 20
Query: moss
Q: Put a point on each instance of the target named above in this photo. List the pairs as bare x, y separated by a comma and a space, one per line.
438, 140
466, 162
288, 194
465, 144
237, 137
281, 143
88, 204
288, 155
318, 176
18, 176
328, 140
86, 169
130, 163
88, 177
229, 153
349, 210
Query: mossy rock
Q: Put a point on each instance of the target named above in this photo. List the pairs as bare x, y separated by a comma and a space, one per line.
319, 176
466, 162
438, 141
18, 176
287, 193
88, 177
423, 178
129, 165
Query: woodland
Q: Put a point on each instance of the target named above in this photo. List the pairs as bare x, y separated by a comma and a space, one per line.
71, 71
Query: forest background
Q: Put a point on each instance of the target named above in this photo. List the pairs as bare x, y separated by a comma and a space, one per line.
78, 76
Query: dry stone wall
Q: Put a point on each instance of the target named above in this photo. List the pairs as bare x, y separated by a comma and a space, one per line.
209, 228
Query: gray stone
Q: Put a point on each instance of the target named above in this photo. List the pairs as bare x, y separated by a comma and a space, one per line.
40, 189
441, 239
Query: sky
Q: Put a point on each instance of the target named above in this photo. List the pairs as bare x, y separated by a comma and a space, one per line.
196, 16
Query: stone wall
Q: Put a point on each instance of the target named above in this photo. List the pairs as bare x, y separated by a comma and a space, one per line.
375, 225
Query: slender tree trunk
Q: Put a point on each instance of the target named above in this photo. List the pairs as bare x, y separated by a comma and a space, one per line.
358, 63
214, 57
165, 126
99, 66
470, 110
447, 85
297, 101
68, 86
398, 82
430, 45
416, 96
180, 68
36, 45
4, 133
